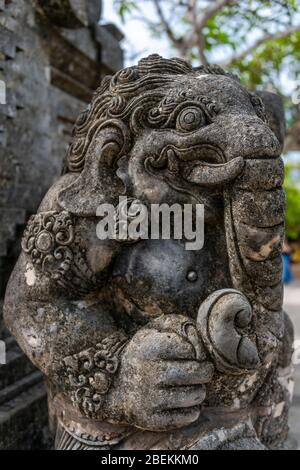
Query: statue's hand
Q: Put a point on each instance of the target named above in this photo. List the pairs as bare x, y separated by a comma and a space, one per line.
162, 375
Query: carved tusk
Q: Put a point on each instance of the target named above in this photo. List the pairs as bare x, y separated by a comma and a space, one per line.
208, 174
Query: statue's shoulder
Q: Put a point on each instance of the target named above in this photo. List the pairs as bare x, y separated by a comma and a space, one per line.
53, 246
50, 201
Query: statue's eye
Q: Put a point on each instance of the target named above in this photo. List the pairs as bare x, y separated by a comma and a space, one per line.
190, 119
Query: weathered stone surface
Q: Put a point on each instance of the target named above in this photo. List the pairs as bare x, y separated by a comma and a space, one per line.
70, 13
50, 74
112, 57
275, 114
23, 418
147, 345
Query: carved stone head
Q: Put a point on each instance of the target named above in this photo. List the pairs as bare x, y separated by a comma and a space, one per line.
163, 120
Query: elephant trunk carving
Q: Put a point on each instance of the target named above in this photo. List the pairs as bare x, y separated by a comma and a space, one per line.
254, 226
254, 221
254, 208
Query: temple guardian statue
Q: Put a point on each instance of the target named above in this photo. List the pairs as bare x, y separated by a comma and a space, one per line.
145, 344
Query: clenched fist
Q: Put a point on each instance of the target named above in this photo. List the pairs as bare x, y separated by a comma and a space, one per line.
161, 379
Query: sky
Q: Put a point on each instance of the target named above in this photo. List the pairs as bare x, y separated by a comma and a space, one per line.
138, 42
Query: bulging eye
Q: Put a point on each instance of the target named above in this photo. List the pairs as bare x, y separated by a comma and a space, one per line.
190, 119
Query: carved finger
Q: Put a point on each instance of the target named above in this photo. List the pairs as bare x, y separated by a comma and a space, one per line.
180, 397
163, 346
172, 419
185, 328
190, 373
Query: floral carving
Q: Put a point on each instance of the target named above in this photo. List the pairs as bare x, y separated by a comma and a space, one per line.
89, 373
47, 240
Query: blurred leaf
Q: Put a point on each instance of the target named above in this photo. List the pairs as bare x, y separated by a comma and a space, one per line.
292, 206
125, 7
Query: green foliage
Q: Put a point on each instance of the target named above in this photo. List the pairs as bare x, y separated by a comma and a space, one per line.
243, 24
125, 7
231, 31
292, 207
265, 65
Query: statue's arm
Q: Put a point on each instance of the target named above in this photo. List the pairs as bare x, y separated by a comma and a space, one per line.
55, 308
153, 379
76, 343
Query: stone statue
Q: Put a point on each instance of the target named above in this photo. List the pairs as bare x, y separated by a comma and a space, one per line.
144, 344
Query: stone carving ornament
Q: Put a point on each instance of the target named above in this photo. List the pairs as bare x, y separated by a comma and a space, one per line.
146, 345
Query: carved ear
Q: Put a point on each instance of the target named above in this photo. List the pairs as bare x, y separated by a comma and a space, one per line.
275, 113
98, 182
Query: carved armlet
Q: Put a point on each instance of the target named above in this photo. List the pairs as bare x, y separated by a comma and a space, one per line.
51, 242
88, 375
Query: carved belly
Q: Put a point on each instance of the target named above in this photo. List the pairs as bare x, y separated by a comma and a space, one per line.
156, 277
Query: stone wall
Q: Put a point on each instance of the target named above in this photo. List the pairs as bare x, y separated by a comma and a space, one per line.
52, 57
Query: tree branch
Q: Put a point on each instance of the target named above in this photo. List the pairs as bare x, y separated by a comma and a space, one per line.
168, 30
201, 49
197, 35
292, 140
268, 37
198, 22
211, 11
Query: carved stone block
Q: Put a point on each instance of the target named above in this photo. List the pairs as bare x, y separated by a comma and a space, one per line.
50, 74
71, 13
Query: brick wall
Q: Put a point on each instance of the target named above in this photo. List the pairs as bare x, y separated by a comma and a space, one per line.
52, 57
